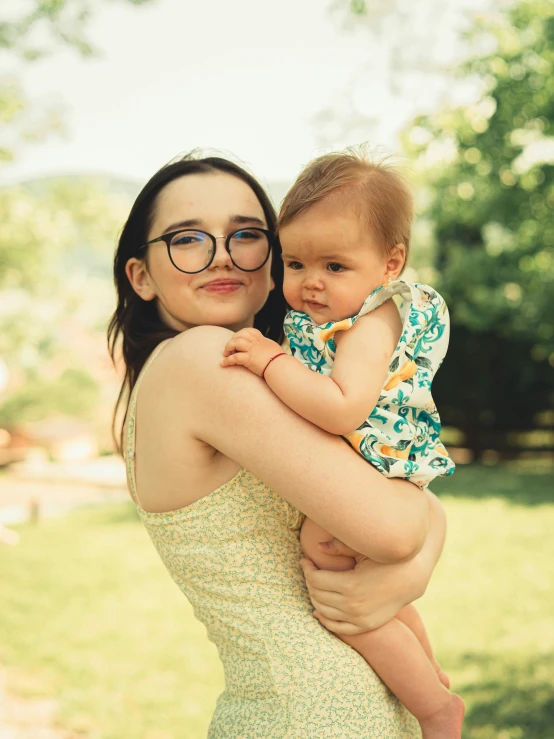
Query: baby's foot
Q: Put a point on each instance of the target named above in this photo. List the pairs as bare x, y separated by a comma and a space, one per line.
446, 723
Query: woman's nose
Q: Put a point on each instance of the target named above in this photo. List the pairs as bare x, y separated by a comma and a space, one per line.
222, 257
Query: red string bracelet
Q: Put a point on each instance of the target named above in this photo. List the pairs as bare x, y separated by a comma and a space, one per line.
270, 361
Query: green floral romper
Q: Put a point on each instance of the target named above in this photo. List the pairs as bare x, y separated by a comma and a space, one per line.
400, 437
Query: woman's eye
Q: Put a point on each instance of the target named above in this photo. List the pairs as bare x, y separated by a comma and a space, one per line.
187, 239
335, 267
246, 235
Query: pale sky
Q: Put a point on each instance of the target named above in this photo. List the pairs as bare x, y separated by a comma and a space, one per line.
247, 77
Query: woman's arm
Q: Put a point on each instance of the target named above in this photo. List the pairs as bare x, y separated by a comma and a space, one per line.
370, 595
236, 413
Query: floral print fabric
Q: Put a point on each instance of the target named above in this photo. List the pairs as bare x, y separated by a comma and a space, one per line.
235, 554
400, 437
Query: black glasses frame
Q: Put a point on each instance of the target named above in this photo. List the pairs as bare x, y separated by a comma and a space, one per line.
166, 238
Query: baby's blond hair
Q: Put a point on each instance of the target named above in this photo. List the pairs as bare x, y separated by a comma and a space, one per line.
373, 187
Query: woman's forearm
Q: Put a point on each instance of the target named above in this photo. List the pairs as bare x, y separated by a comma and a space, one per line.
235, 412
370, 595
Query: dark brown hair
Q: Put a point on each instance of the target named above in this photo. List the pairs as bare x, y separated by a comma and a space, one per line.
374, 188
136, 326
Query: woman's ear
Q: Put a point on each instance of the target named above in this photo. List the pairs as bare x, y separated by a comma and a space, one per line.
139, 277
395, 262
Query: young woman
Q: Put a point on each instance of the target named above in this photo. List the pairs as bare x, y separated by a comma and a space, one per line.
220, 469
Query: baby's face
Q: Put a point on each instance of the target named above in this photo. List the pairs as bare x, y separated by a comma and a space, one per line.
331, 264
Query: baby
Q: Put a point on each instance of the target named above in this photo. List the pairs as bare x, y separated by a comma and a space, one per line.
362, 367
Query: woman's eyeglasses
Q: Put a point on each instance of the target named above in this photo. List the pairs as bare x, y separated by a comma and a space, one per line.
193, 251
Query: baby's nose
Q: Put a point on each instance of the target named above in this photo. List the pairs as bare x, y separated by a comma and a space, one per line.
313, 281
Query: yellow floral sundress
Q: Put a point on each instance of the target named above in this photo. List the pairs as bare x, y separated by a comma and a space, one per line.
235, 555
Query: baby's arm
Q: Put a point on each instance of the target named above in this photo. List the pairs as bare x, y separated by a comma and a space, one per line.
342, 402
339, 403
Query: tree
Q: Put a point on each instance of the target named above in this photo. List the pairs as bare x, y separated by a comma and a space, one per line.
57, 237
56, 241
410, 53
490, 170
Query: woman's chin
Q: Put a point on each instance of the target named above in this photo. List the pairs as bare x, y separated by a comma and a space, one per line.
227, 318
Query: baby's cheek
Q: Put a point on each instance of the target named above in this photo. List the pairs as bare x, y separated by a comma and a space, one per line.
346, 305
292, 294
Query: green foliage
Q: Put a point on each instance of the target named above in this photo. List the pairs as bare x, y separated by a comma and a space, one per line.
52, 227
74, 393
358, 7
490, 168
56, 21
57, 238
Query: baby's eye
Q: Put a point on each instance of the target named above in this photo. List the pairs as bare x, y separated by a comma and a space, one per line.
294, 265
335, 267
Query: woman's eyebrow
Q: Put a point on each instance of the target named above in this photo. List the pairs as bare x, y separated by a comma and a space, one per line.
241, 220
190, 223
197, 223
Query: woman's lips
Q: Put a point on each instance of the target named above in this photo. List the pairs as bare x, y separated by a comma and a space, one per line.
222, 286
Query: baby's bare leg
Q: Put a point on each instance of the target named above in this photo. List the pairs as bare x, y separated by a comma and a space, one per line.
396, 654
409, 616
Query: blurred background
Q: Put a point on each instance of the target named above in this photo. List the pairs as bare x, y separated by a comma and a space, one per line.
95, 640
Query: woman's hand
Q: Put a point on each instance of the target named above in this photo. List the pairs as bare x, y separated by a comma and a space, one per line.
371, 594
251, 349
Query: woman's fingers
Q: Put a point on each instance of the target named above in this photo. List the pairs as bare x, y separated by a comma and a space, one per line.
339, 627
328, 611
326, 596
307, 566
338, 582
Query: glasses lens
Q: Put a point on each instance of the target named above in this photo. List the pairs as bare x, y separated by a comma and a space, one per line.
249, 248
191, 250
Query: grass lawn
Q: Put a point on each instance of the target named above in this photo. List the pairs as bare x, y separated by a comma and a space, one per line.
89, 615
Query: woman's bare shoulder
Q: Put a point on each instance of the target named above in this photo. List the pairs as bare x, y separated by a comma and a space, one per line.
192, 349
199, 337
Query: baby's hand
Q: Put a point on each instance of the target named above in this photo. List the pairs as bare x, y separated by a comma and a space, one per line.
251, 349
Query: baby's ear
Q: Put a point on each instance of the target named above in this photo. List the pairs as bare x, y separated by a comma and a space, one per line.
396, 261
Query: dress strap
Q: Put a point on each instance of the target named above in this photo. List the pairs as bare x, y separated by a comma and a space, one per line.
131, 424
